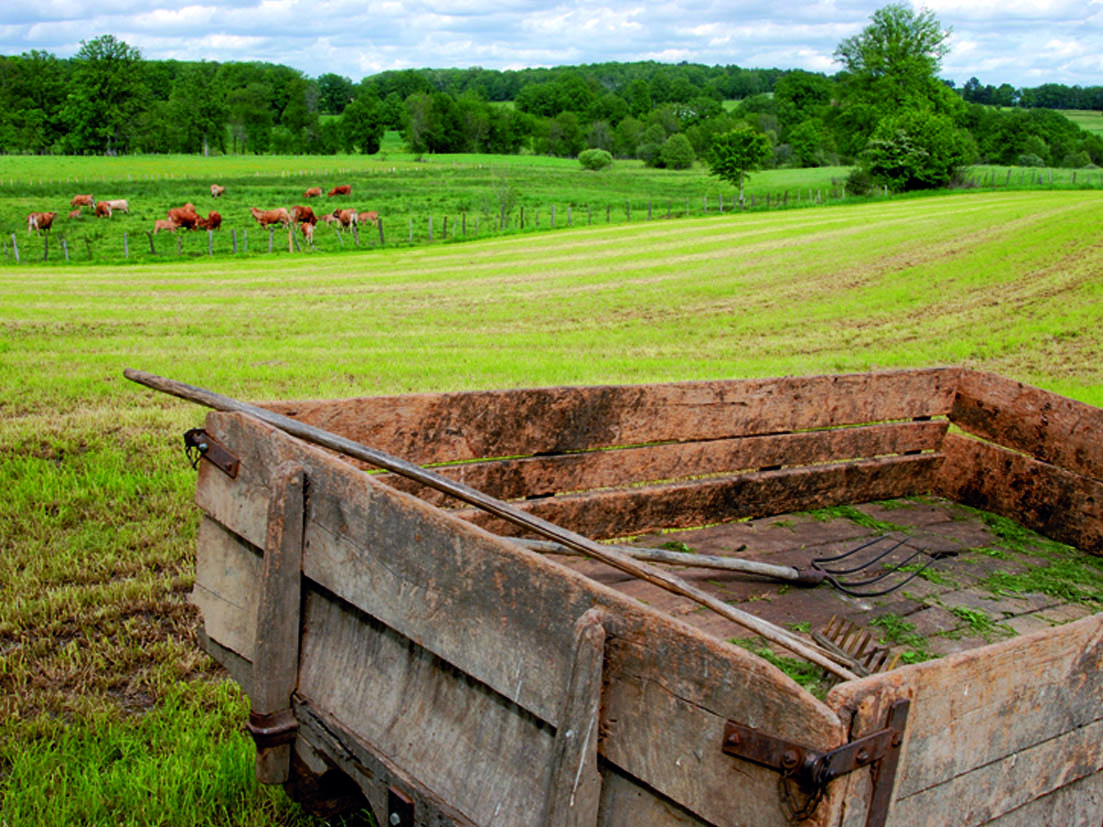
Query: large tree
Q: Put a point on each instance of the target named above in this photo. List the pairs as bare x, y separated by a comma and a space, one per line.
106, 97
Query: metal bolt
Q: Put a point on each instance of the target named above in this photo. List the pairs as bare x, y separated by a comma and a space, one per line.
202, 446
789, 759
863, 756
897, 739
396, 819
733, 739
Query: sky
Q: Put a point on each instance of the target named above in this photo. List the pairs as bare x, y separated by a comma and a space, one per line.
1022, 42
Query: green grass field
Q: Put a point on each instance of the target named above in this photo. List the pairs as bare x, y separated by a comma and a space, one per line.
110, 713
1088, 119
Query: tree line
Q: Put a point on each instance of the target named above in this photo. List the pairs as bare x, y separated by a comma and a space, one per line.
109, 99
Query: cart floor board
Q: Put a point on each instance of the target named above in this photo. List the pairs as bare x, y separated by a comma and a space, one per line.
951, 609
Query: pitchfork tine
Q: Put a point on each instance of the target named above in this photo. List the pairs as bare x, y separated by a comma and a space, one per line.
859, 588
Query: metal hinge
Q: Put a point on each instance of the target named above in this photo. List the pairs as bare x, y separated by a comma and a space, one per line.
812, 770
198, 444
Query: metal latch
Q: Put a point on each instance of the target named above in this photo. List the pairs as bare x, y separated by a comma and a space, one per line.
198, 444
812, 770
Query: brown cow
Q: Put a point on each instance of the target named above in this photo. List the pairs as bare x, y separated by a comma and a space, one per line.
213, 221
367, 217
82, 201
329, 219
103, 209
75, 213
346, 217
216, 190
266, 217
184, 216
308, 231
40, 221
164, 224
119, 205
344, 189
313, 192
299, 213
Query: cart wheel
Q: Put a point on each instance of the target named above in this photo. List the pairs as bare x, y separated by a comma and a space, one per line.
331, 794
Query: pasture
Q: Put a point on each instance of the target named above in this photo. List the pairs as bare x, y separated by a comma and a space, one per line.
109, 711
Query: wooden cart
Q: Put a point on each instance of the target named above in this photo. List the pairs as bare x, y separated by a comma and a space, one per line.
402, 647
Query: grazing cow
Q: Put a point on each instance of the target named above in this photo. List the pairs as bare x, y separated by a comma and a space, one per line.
216, 190
346, 217
313, 192
103, 209
213, 221
75, 213
299, 213
184, 216
308, 231
164, 224
367, 217
266, 217
40, 221
329, 219
82, 201
119, 205
344, 189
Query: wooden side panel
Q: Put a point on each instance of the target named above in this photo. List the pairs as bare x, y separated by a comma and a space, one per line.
625, 803
617, 513
993, 728
1066, 507
1079, 804
1049, 427
227, 574
538, 476
467, 744
502, 618
426, 428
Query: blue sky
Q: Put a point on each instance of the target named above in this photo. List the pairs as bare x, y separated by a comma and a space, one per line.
1011, 41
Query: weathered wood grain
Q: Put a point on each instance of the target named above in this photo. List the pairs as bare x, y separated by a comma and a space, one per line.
540, 476
227, 571
428, 428
1078, 804
626, 803
617, 513
1063, 506
995, 707
276, 658
1044, 425
574, 786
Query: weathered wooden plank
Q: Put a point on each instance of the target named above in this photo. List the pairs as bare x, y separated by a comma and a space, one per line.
627, 803
539, 476
276, 658
984, 706
574, 787
1078, 804
463, 742
504, 616
1045, 425
226, 573
427, 428
989, 791
1066, 507
605, 514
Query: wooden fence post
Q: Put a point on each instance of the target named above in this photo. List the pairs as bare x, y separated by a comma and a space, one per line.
379, 223
46, 247
210, 242
411, 231
430, 229
126, 246
65, 249
553, 217
233, 238
179, 244
628, 210
152, 249
355, 234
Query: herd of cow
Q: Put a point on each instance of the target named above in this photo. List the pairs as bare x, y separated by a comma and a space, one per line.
187, 218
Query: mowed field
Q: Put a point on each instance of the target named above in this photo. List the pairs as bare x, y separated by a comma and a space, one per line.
109, 711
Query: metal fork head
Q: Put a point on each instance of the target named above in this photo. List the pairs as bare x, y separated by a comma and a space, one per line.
862, 653
860, 571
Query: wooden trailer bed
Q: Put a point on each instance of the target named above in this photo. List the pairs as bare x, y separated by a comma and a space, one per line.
403, 647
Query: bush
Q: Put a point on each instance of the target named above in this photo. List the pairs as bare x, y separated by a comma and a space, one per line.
1029, 159
860, 182
917, 150
677, 152
595, 159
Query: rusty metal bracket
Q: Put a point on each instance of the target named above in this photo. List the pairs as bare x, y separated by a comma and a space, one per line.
812, 770
272, 729
400, 809
198, 444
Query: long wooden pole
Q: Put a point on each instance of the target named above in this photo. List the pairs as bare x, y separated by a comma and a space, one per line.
471, 496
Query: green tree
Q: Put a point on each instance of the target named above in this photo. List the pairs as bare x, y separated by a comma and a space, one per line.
106, 96
734, 154
595, 159
917, 150
197, 110
677, 152
362, 124
335, 93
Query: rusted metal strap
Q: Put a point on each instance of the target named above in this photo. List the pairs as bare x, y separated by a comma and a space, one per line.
198, 444
812, 770
273, 728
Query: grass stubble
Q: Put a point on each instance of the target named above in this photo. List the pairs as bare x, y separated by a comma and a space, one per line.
109, 712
